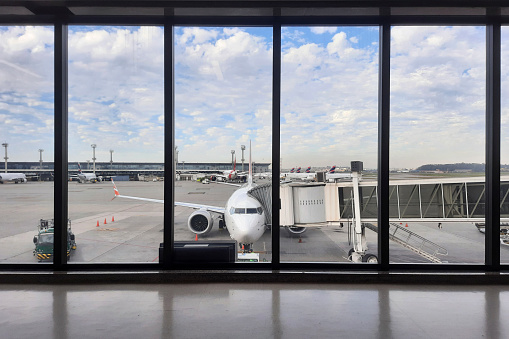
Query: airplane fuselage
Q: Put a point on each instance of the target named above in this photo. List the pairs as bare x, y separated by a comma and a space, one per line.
244, 217
14, 177
230, 175
84, 177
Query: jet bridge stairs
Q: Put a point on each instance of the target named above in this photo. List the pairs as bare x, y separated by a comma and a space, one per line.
412, 241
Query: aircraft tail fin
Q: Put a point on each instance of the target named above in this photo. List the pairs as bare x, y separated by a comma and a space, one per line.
79, 168
115, 189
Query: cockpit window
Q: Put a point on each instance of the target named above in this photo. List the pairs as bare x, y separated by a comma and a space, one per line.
257, 210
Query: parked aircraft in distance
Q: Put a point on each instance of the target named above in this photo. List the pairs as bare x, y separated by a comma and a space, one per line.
14, 177
306, 176
332, 175
242, 215
231, 174
84, 177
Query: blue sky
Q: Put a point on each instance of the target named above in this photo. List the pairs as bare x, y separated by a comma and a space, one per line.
223, 94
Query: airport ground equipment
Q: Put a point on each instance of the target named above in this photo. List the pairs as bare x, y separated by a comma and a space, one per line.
412, 241
45, 239
217, 251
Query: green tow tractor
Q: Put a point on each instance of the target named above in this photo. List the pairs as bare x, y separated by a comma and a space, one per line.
45, 239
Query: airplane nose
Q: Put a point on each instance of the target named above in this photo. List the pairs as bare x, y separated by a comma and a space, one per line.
248, 230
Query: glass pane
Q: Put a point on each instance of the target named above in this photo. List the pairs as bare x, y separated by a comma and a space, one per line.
26, 131
504, 148
329, 117
431, 198
223, 120
437, 148
116, 124
409, 201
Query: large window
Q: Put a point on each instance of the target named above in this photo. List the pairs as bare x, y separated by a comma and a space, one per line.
116, 117
328, 119
437, 144
223, 100
213, 100
26, 134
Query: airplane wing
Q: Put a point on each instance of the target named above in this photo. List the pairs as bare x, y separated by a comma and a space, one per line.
227, 183
215, 209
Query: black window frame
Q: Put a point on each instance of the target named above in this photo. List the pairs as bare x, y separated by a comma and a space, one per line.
61, 19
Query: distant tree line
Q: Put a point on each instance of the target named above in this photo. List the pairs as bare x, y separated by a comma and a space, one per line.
456, 167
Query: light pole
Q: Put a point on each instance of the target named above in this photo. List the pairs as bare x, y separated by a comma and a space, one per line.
243, 148
111, 159
40, 157
6, 157
183, 165
176, 157
233, 152
93, 159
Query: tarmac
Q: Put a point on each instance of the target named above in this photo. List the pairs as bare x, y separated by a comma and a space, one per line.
130, 231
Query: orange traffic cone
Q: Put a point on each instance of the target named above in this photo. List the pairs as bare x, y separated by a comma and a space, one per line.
112, 218
105, 221
97, 223
300, 240
406, 225
196, 238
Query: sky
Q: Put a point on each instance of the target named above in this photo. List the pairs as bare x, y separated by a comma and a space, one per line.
223, 94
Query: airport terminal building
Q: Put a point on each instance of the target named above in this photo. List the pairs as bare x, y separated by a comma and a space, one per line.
124, 170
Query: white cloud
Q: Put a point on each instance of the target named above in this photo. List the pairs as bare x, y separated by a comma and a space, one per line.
322, 30
437, 95
224, 93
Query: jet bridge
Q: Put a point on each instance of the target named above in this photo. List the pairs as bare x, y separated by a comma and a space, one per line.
355, 203
436, 200
302, 205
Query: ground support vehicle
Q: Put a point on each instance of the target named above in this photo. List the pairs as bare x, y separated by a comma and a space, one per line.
45, 239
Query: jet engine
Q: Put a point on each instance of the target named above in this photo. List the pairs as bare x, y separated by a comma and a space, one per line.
295, 230
200, 222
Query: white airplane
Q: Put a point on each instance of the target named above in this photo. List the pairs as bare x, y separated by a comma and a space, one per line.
242, 215
16, 177
231, 174
331, 175
84, 177
297, 175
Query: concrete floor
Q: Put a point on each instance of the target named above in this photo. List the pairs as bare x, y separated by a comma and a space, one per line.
218, 310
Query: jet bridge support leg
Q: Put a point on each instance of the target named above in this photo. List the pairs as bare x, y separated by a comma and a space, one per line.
358, 236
